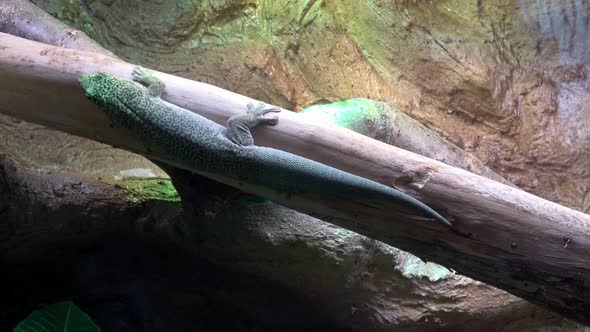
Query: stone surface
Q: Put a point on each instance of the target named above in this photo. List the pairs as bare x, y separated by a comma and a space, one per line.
504, 80
48, 149
42, 208
66, 237
250, 266
51, 150
363, 284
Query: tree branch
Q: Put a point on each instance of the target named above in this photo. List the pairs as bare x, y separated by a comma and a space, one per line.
503, 236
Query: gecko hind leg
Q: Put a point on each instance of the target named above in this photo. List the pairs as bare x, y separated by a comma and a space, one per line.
238, 126
155, 86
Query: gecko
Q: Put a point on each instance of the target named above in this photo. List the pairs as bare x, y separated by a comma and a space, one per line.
227, 153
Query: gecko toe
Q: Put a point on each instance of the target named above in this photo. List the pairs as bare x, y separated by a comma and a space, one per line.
271, 110
271, 120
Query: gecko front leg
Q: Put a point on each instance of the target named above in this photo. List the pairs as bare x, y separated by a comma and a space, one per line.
238, 126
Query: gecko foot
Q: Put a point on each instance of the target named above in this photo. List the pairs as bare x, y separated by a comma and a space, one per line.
259, 113
238, 126
140, 75
154, 85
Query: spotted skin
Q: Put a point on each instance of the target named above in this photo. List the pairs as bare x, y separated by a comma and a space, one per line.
210, 148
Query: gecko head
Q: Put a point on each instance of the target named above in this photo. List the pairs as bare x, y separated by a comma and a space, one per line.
98, 87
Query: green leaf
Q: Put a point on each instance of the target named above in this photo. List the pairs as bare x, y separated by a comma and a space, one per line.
57, 317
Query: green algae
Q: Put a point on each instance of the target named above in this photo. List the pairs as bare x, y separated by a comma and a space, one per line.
142, 189
359, 114
346, 113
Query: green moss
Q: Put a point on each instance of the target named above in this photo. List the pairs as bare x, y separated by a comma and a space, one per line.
142, 189
355, 114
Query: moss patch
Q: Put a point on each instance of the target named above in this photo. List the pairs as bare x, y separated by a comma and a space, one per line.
142, 189
347, 113
364, 116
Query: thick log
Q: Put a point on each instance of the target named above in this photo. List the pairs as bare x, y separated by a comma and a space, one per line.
503, 236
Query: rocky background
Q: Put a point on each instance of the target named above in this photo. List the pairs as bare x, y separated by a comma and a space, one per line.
505, 81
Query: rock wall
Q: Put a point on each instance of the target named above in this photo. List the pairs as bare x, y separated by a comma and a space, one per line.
505, 80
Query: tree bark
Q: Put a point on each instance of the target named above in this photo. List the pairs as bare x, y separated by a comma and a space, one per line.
24, 19
505, 237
